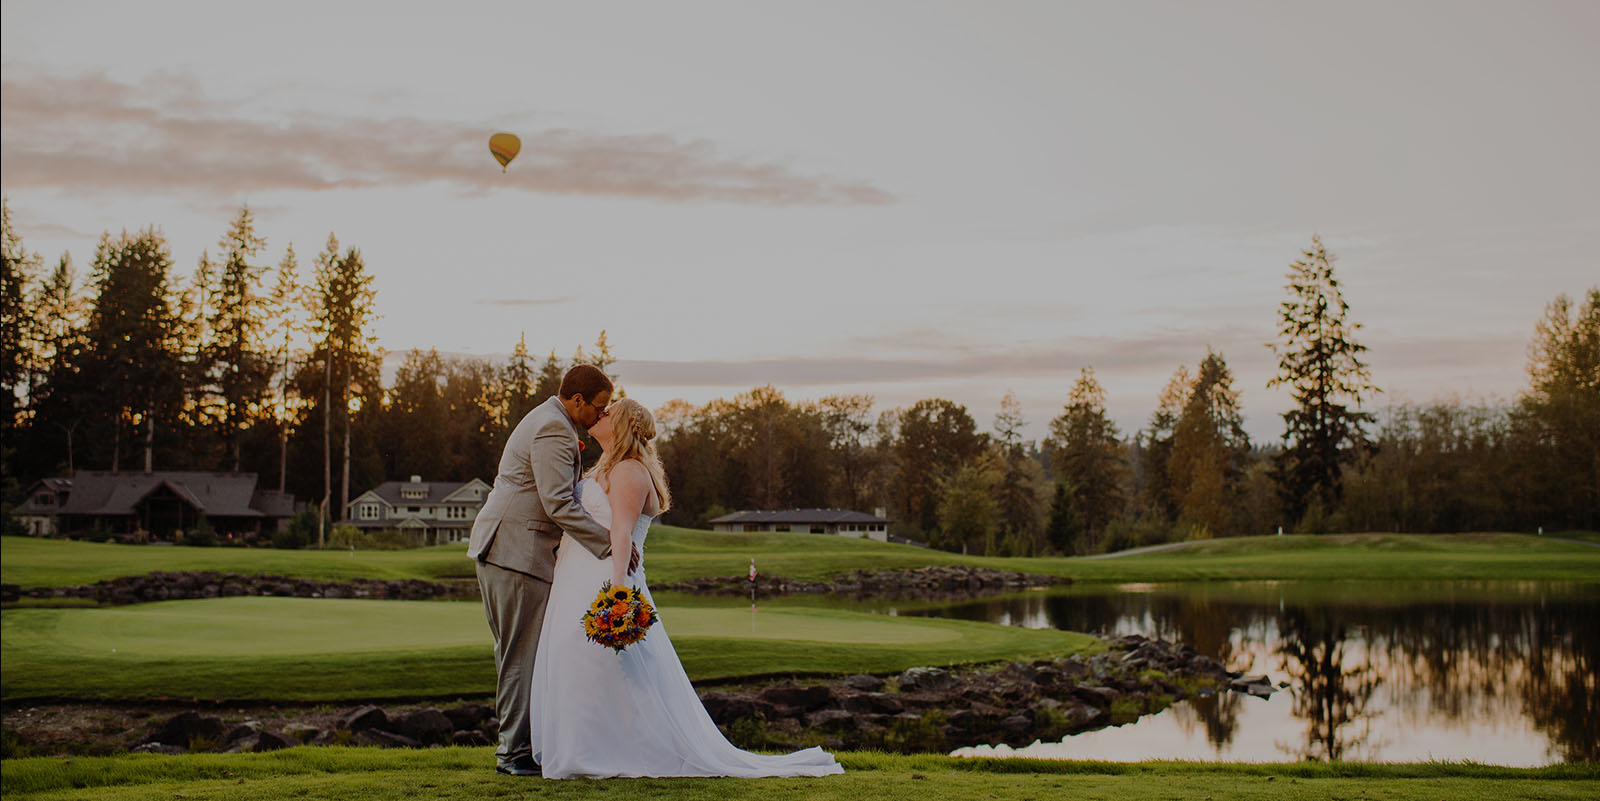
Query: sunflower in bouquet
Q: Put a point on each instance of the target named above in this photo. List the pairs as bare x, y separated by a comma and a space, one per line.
619, 617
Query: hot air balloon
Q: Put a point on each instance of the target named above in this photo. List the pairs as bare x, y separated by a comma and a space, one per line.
504, 147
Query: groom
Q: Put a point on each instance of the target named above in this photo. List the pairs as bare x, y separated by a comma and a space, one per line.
514, 541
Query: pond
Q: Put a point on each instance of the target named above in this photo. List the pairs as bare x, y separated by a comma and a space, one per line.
1504, 673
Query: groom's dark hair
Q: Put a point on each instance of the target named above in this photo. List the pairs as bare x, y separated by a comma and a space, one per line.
586, 380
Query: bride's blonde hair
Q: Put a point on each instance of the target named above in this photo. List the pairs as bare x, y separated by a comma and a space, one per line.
633, 433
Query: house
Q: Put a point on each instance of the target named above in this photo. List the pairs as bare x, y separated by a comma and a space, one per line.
160, 504
436, 511
844, 522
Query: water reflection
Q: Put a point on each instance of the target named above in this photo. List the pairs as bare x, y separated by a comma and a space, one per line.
1497, 672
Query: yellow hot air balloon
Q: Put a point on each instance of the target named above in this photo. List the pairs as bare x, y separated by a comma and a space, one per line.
504, 147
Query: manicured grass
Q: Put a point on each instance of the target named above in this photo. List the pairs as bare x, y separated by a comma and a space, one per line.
464, 773
676, 554
324, 649
38, 562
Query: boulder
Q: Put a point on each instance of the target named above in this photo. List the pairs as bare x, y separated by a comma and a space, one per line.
468, 737
363, 718
186, 727
1018, 672
470, 716
301, 732
864, 683
427, 725
834, 719
385, 739
873, 704
804, 699
1098, 697
240, 732
926, 679
267, 741
725, 708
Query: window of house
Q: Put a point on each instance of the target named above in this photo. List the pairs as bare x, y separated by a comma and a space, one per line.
369, 511
819, 530
414, 509
752, 527
413, 493
46, 499
781, 527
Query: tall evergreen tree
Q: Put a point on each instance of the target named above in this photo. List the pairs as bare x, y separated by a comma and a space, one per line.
1019, 484
1562, 411
1089, 458
17, 272
1157, 447
342, 313
285, 326
133, 338
550, 375
237, 356
1320, 361
1209, 449
521, 384
58, 397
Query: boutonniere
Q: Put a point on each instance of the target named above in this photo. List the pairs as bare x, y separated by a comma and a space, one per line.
582, 445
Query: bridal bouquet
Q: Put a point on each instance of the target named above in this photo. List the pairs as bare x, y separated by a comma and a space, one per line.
619, 617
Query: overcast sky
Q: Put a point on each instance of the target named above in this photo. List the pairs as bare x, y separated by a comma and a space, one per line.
905, 199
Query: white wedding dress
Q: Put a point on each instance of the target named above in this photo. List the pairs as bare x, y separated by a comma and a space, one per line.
598, 713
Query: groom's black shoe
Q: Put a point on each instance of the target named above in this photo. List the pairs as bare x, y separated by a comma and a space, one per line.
521, 766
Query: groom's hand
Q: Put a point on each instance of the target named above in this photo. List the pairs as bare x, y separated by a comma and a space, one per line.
633, 560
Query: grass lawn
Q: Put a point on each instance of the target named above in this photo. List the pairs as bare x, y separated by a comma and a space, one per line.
324, 649
464, 773
675, 554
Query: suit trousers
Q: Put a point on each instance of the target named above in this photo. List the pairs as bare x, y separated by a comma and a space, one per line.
514, 603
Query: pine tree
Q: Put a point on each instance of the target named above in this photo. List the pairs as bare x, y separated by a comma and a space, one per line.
1157, 450
133, 338
550, 375
284, 327
1209, 447
1089, 457
1021, 480
1320, 361
521, 384
237, 357
57, 397
1562, 411
17, 273
342, 314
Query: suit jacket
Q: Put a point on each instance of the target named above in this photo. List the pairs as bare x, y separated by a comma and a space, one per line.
531, 504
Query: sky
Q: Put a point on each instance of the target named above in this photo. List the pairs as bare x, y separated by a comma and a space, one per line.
905, 199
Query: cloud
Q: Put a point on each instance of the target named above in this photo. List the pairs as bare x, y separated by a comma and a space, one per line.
94, 133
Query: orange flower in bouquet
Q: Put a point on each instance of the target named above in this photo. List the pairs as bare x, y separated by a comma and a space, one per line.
619, 617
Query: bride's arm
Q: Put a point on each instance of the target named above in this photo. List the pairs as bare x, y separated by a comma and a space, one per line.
630, 485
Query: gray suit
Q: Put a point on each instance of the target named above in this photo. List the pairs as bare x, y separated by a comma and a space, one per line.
514, 541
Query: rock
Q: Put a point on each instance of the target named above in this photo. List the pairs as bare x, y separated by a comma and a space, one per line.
831, 719
385, 739
156, 748
1098, 697
926, 679
725, 708
1016, 726
864, 683
1254, 685
1018, 672
184, 728
1072, 668
240, 732
468, 737
427, 725
363, 718
267, 741
470, 716
301, 732
804, 699
873, 704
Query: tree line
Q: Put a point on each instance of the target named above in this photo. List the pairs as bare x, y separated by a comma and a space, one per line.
257, 367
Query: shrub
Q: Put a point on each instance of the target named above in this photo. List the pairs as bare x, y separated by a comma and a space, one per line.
201, 535
302, 527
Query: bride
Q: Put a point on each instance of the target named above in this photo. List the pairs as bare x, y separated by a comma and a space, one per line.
596, 712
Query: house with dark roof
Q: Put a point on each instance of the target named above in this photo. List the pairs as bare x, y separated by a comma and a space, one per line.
844, 522
436, 511
159, 504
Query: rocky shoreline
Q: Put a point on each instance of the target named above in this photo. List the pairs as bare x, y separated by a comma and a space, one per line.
188, 585
929, 583
921, 710
922, 582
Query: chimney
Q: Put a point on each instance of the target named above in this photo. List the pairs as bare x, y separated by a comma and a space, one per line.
416, 479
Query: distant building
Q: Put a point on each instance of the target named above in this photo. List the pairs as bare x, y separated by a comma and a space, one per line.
160, 504
844, 522
436, 511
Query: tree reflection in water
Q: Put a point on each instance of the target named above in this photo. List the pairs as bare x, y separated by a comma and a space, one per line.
1368, 663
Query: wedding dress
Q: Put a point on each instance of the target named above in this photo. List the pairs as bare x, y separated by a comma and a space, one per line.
598, 713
